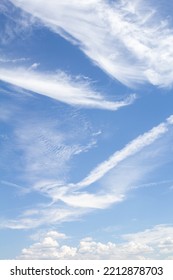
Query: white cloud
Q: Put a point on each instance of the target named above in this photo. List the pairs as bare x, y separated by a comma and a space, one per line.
56, 235
130, 149
71, 201
88, 200
153, 243
13, 60
47, 214
45, 151
44, 148
128, 40
20, 189
137, 159
49, 248
49, 145
151, 236
61, 87
43, 145
34, 66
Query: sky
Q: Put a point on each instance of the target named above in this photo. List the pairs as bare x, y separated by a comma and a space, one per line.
86, 129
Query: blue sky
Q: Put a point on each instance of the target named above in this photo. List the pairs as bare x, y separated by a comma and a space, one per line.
86, 129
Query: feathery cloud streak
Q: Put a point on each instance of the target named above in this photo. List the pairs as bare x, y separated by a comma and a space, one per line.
113, 186
105, 196
77, 202
61, 87
130, 149
129, 41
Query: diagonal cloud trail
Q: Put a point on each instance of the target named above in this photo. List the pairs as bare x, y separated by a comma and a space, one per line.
130, 149
61, 87
106, 196
127, 39
77, 203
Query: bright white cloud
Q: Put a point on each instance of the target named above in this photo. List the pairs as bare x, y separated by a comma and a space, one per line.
130, 149
72, 201
86, 200
47, 214
153, 243
131, 43
128, 40
151, 236
52, 233
61, 87
113, 184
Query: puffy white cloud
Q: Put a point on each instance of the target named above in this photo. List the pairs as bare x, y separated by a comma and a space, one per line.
49, 248
129, 41
154, 243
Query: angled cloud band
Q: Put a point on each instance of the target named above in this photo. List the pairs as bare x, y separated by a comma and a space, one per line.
60, 87
70, 201
127, 39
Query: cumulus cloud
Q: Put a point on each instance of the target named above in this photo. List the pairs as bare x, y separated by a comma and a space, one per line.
152, 243
128, 40
61, 87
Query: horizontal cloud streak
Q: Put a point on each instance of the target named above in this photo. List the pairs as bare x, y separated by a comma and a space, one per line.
44, 215
129, 41
60, 87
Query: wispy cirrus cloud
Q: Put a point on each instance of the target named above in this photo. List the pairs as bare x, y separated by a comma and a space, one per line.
43, 145
62, 88
152, 243
113, 185
12, 60
137, 159
16, 24
44, 214
71, 201
129, 41
130, 149
44, 148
